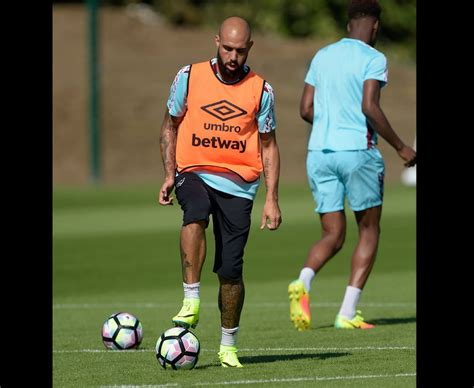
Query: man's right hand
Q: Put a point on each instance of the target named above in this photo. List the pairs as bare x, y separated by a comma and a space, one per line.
408, 154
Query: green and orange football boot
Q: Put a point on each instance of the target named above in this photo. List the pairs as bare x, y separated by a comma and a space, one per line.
300, 314
355, 323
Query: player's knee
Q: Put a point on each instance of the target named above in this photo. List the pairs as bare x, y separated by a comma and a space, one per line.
372, 229
336, 238
226, 280
336, 244
230, 272
339, 242
196, 224
197, 212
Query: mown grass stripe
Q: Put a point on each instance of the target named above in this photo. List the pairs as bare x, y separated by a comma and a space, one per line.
247, 349
266, 381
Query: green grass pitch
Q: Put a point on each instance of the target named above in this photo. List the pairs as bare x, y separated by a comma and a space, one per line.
116, 249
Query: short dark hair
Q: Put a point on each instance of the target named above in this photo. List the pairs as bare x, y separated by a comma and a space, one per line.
361, 8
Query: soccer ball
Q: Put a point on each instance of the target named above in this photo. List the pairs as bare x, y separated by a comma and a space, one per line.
177, 348
122, 331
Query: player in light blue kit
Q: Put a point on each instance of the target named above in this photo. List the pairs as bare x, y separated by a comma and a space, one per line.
341, 100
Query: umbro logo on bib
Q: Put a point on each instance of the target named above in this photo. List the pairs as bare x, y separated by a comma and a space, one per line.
223, 110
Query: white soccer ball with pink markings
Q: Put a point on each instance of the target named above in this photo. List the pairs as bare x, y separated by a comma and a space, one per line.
122, 331
177, 348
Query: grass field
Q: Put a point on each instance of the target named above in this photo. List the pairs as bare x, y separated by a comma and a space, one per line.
117, 250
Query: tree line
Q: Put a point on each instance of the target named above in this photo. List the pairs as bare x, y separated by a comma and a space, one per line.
325, 19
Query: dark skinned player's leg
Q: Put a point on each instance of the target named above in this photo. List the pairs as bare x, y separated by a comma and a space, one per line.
332, 239
333, 233
363, 258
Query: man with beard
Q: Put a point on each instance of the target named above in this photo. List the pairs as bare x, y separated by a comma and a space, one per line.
217, 136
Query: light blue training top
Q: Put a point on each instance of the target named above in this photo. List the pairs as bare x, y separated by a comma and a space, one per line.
226, 182
338, 72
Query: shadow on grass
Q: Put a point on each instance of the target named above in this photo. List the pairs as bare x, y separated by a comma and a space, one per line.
393, 321
279, 357
382, 322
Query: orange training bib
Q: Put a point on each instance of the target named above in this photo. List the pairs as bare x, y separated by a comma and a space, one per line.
220, 131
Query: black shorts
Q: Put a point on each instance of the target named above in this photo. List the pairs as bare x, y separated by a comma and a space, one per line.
230, 217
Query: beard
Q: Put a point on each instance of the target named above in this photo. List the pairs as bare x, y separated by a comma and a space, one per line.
227, 73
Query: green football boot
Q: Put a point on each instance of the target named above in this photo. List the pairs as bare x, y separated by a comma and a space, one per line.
188, 316
228, 357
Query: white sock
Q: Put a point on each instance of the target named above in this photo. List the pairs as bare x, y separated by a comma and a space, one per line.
191, 290
351, 298
229, 336
306, 276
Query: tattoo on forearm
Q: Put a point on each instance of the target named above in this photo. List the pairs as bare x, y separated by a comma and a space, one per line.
168, 146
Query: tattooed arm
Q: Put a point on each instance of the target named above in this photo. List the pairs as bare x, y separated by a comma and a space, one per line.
271, 216
168, 135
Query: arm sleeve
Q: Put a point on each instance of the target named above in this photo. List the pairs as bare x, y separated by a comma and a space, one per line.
377, 69
177, 100
266, 116
311, 74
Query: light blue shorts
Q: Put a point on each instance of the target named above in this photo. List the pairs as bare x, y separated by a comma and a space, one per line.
357, 175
